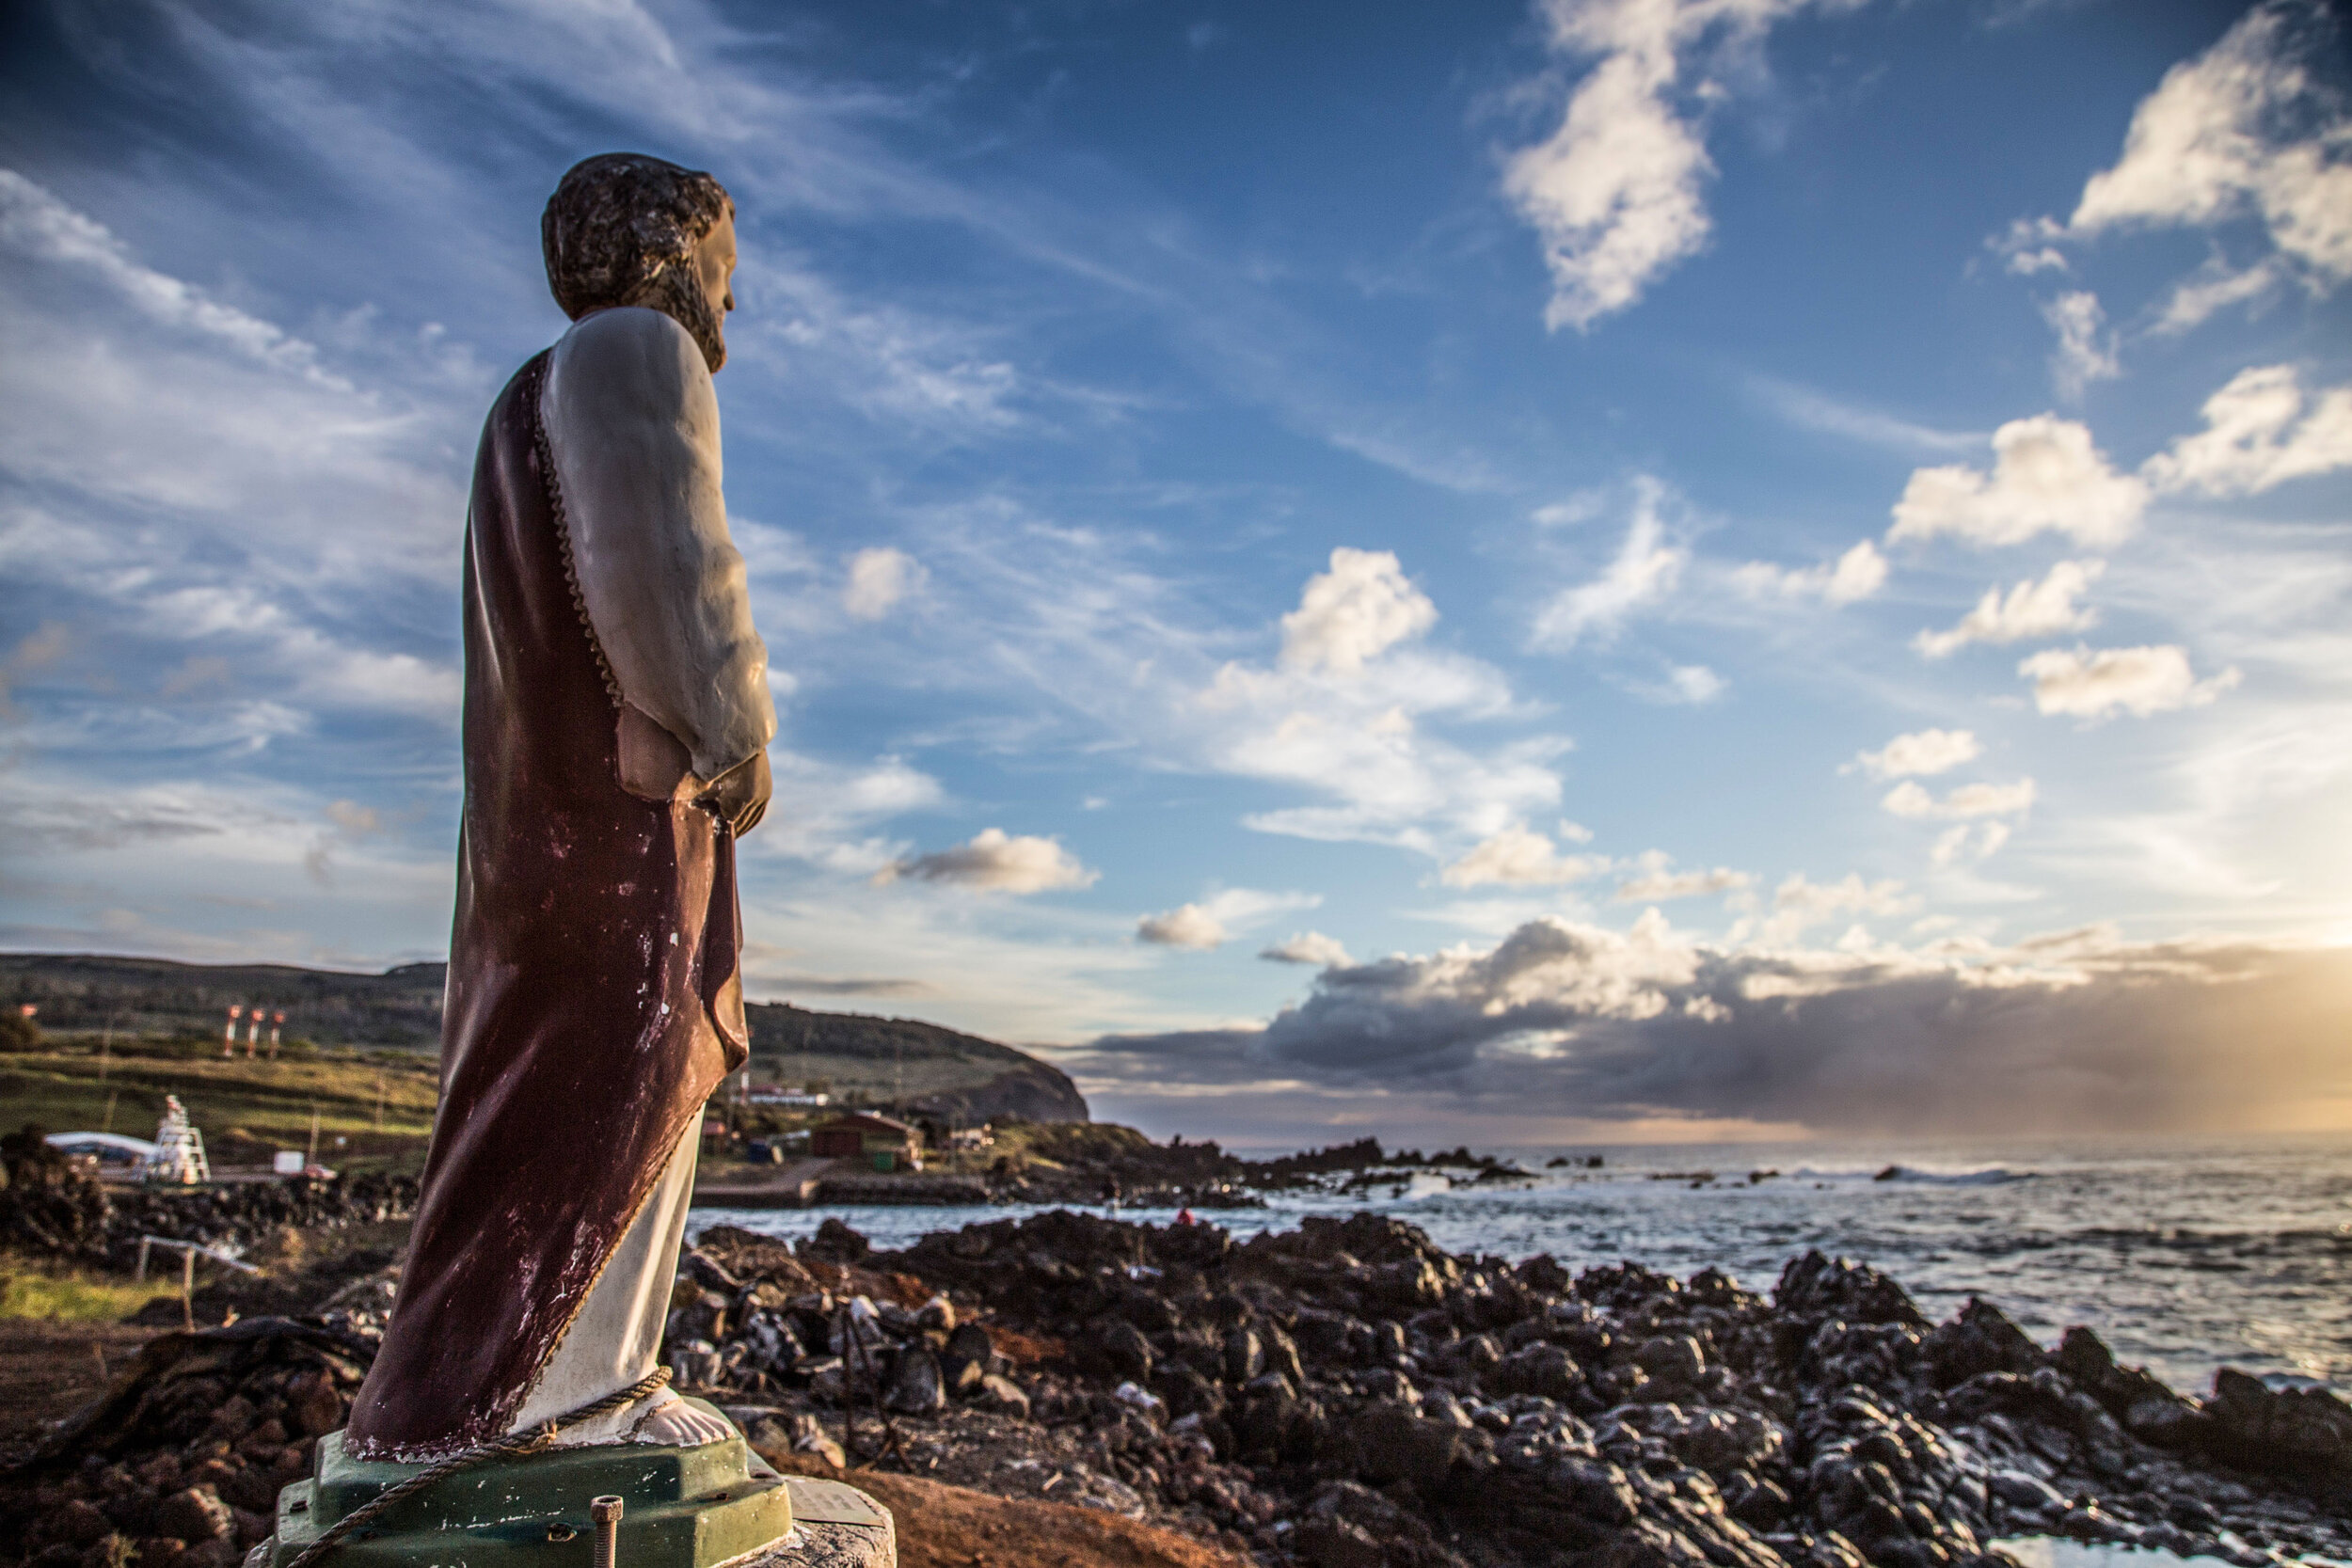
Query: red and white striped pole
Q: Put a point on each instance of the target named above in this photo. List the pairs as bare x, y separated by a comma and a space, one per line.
253, 1033
229, 1037
277, 1021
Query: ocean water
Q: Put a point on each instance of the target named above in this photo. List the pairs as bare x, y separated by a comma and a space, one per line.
2183, 1256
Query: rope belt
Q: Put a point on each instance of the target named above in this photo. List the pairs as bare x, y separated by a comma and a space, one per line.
514, 1445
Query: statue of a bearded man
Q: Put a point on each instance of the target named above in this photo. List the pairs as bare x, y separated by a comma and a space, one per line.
616, 726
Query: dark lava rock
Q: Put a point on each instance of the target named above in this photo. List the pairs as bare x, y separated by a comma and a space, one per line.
915, 1386
194, 1515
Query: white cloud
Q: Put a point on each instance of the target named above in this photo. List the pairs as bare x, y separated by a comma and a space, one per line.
996, 861
2214, 287
1855, 575
1211, 923
1814, 410
2028, 609
878, 578
1694, 684
1186, 925
1519, 857
1344, 714
1307, 947
1658, 882
2083, 355
1359, 610
1908, 799
825, 814
1646, 570
36, 223
2140, 681
2247, 128
1921, 753
2027, 260
1800, 903
1614, 192
2046, 476
1967, 843
2251, 440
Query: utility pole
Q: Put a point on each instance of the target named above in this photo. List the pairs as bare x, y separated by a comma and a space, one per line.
380, 1091
312, 1158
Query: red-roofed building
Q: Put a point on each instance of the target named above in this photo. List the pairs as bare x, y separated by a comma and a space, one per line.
885, 1143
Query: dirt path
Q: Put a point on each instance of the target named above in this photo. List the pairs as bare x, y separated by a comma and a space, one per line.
948, 1527
49, 1369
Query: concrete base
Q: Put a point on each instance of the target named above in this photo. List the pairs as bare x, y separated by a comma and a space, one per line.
683, 1508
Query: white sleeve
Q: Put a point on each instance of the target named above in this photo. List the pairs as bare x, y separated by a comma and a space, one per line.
633, 427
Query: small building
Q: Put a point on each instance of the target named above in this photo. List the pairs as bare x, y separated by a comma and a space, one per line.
982, 1137
776, 1094
884, 1143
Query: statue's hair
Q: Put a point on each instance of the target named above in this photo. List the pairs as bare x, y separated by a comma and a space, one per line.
618, 222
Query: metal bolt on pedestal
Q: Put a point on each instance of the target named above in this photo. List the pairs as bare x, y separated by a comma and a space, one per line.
606, 1513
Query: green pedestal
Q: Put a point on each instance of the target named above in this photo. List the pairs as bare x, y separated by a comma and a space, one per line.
683, 1508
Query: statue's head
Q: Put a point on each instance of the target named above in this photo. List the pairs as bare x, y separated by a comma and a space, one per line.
623, 229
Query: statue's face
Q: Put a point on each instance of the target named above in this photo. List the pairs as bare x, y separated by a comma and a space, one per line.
714, 266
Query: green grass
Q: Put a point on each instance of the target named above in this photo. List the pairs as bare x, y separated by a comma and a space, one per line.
245, 1108
69, 1295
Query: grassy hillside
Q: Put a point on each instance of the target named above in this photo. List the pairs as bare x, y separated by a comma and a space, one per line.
860, 1058
92, 992
245, 1108
900, 1061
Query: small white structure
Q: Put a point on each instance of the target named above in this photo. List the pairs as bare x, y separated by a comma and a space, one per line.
112, 1150
178, 1155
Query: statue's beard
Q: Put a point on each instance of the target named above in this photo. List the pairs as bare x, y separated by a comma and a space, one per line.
675, 293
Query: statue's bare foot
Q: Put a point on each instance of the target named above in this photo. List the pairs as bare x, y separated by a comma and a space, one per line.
672, 1423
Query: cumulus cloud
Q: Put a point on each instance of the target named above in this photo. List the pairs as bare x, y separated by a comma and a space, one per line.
1210, 924
2072, 1033
1616, 193
1306, 947
878, 578
2090, 684
2085, 353
2028, 609
2251, 128
2046, 476
996, 861
1519, 857
1645, 570
1803, 903
1921, 753
1657, 882
1343, 714
2258, 434
1911, 798
1855, 575
1363, 605
1186, 925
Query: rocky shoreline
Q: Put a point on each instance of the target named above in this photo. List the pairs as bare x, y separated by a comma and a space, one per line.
1346, 1395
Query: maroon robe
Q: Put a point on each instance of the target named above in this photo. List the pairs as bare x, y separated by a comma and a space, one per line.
594, 999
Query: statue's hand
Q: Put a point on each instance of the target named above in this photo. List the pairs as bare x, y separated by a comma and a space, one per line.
740, 795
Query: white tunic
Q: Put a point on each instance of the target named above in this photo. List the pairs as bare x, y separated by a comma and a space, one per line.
634, 426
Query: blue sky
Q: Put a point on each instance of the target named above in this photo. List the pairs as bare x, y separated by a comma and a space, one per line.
1620, 566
